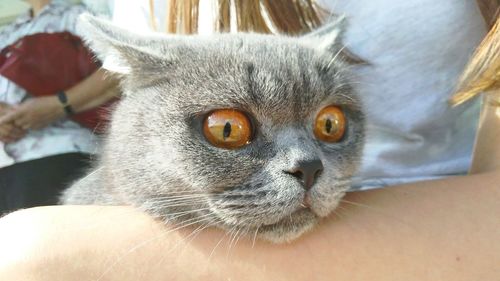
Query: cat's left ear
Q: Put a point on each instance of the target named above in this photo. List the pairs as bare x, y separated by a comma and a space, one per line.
329, 39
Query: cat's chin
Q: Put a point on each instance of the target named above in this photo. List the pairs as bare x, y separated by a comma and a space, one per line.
289, 228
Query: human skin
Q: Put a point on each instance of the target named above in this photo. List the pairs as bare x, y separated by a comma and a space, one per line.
36, 113
437, 230
8, 131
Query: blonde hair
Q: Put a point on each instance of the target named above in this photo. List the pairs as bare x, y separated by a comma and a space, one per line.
482, 74
263, 16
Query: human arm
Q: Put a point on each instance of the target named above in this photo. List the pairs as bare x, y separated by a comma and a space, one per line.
437, 230
8, 131
36, 113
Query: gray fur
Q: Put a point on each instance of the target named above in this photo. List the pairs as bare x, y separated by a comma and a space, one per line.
156, 158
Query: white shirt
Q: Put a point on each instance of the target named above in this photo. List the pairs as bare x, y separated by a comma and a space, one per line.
418, 49
63, 136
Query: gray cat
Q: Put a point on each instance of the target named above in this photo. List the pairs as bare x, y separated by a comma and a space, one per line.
250, 133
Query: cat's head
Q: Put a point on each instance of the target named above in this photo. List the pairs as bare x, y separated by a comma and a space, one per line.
251, 133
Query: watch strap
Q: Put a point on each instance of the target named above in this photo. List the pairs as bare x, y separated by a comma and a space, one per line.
61, 95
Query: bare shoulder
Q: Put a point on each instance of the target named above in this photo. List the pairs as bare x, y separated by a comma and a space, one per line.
446, 230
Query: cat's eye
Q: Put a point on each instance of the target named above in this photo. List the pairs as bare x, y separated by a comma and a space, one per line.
227, 128
329, 125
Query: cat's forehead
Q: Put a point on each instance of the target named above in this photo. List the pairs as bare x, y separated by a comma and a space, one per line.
261, 74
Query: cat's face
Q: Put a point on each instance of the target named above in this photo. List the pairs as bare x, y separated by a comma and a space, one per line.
186, 99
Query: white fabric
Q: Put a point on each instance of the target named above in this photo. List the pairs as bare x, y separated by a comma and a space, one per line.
136, 15
139, 16
98, 7
63, 136
417, 49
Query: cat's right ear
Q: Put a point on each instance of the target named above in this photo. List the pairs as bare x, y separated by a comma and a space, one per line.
329, 39
122, 51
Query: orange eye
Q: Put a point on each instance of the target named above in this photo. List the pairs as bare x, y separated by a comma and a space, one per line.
329, 125
227, 128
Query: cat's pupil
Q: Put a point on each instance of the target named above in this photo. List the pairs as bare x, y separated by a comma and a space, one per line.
328, 125
227, 130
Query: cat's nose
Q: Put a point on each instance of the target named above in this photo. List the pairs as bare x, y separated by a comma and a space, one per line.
306, 172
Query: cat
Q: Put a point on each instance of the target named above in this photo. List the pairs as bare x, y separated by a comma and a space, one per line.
259, 133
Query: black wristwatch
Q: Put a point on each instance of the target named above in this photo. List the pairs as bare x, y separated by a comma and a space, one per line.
61, 95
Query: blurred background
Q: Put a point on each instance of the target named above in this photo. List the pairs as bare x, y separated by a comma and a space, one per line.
10, 9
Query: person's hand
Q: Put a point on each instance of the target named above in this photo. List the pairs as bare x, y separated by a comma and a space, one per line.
8, 131
34, 113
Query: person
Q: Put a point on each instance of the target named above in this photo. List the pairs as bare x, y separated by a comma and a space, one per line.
440, 229
41, 151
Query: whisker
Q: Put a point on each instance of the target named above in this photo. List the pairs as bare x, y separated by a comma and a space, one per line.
197, 231
176, 203
176, 199
212, 222
255, 236
180, 196
231, 237
360, 205
90, 174
243, 233
335, 212
336, 55
376, 209
217, 245
180, 214
133, 249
